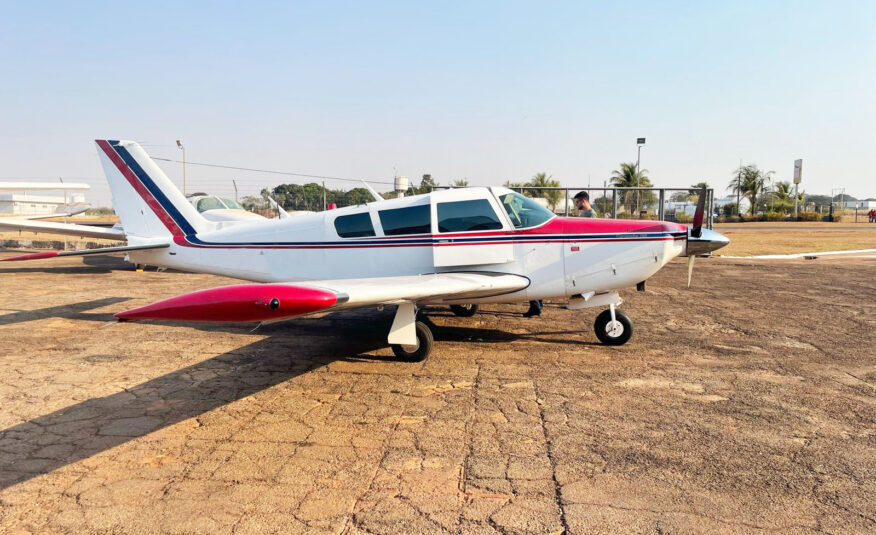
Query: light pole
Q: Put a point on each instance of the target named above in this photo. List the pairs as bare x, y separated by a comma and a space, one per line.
639, 142
182, 147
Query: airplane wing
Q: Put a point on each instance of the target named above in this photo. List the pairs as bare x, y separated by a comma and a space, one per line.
69, 229
100, 250
279, 301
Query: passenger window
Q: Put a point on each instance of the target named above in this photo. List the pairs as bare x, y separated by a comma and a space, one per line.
462, 216
411, 220
354, 226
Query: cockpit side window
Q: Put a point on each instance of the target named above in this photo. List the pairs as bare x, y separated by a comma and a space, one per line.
410, 220
525, 212
463, 216
209, 203
354, 226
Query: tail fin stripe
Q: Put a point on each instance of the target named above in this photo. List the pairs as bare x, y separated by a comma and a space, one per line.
137, 183
153, 188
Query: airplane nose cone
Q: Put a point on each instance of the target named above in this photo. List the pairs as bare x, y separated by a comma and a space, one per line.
708, 241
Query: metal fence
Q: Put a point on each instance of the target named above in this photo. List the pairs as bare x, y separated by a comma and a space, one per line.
627, 203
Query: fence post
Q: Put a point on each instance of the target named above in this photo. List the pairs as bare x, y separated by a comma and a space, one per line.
566, 201
660, 206
614, 204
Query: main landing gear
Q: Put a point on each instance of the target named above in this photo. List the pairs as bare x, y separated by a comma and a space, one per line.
419, 351
464, 311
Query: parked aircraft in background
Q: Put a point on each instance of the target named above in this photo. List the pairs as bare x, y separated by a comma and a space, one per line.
212, 208
460, 247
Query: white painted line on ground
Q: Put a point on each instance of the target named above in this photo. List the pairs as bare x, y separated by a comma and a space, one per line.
801, 255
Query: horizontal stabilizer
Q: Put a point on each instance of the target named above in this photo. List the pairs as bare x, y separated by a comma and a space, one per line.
238, 303
102, 250
66, 229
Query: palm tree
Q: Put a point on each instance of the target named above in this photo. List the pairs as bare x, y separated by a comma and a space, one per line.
461, 183
750, 182
543, 180
628, 177
783, 196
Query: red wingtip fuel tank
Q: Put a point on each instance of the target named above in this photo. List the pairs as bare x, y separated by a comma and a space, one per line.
238, 303
31, 256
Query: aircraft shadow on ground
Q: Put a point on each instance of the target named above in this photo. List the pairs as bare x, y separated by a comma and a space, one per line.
75, 311
52, 441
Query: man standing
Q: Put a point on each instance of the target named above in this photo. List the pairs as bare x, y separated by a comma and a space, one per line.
582, 202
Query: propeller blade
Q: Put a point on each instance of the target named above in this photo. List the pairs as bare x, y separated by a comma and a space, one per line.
690, 263
697, 228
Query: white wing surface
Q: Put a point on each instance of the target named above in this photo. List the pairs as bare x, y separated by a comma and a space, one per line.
279, 301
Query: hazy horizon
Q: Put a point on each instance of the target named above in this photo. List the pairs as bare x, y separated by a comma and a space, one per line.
489, 92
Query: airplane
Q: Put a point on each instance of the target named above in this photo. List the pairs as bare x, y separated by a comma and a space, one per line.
459, 247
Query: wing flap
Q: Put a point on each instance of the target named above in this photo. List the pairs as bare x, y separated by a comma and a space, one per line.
430, 288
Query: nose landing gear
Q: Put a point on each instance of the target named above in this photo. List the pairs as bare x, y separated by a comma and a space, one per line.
613, 327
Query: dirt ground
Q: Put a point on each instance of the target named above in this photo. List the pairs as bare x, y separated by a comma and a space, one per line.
746, 404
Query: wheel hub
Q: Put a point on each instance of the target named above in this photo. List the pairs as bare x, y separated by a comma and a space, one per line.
614, 328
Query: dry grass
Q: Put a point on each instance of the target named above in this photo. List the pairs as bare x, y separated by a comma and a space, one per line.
762, 241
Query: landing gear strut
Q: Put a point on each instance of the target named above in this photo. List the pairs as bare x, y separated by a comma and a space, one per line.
464, 311
420, 351
613, 327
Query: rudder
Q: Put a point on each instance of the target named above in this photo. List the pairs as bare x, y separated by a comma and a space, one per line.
145, 199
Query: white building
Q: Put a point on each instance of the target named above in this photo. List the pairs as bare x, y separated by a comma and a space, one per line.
25, 204
860, 205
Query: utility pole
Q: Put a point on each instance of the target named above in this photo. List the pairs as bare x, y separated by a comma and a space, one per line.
323, 196
182, 147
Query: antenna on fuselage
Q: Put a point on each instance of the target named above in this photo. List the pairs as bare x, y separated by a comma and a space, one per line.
373, 192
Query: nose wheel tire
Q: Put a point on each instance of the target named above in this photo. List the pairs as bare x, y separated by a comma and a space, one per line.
464, 311
613, 333
419, 352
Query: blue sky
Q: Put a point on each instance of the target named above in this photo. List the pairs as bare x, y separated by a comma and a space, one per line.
488, 91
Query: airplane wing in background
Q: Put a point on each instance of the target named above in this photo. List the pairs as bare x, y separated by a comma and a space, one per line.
68, 229
101, 250
279, 301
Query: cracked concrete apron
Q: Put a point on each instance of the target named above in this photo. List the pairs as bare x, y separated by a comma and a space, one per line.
745, 404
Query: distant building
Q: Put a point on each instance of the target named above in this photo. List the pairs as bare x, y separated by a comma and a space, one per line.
860, 205
25, 204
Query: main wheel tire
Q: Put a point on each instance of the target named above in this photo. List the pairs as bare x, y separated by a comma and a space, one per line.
464, 311
419, 352
613, 335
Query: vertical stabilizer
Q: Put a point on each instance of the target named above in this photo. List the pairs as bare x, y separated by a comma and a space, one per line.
146, 201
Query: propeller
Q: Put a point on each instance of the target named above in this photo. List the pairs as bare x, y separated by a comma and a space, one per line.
696, 231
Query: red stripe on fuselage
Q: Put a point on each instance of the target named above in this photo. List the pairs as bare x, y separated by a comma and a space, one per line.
141, 190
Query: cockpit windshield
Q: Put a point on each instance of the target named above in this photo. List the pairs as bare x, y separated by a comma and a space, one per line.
215, 203
523, 211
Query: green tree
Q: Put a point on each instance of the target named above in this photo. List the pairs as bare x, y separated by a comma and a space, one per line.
628, 177
516, 186
782, 197
543, 180
427, 184
461, 183
750, 182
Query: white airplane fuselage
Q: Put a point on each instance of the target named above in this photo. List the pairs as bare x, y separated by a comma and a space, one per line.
562, 257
